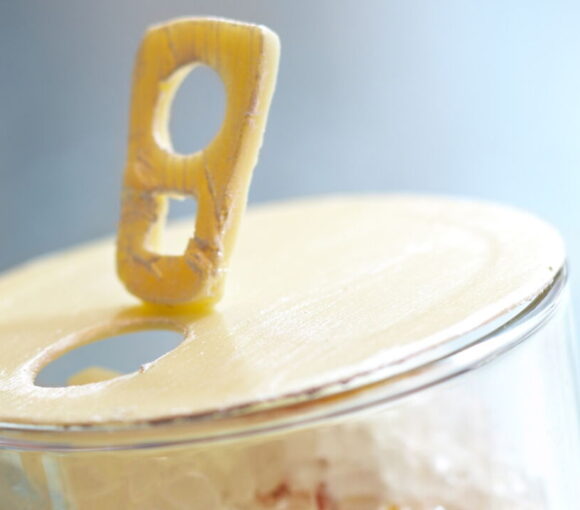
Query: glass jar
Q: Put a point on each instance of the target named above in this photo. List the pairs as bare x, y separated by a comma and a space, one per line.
490, 420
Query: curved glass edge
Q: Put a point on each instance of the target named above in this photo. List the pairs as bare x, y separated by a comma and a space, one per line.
465, 354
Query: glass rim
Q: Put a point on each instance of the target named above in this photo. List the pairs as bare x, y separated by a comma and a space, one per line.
381, 386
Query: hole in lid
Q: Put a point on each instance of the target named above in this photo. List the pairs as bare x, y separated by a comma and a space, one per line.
174, 243
107, 358
197, 110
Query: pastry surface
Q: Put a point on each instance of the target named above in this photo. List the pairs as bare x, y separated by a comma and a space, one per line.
319, 291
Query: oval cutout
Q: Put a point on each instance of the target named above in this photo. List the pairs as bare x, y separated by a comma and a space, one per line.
197, 110
112, 356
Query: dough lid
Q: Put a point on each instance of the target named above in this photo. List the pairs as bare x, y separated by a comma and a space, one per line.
320, 292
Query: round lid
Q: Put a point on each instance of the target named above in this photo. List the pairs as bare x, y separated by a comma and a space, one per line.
321, 292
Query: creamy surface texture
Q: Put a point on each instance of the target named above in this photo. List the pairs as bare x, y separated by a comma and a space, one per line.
319, 291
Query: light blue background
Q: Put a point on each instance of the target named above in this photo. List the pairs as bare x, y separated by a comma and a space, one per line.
458, 97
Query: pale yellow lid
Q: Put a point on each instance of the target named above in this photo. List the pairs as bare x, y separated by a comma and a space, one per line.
321, 291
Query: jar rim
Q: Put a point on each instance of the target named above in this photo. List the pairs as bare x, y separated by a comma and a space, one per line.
380, 386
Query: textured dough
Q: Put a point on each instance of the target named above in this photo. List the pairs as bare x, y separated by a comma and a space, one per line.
320, 290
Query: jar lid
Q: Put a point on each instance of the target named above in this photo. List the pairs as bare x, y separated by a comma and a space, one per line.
324, 296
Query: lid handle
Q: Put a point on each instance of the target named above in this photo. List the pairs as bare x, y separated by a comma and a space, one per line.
246, 58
